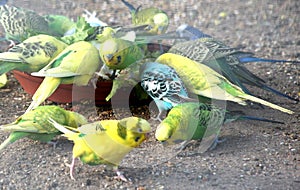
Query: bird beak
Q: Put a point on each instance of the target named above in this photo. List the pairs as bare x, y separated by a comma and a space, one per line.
109, 57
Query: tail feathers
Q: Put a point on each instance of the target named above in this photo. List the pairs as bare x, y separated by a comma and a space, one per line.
131, 8
60, 127
15, 127
46, 89
14, 136
279, 93
256, 59
266, 103
7, 142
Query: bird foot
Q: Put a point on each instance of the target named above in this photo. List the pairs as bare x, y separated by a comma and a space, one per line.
216, 142
94, 81
156, 119
182, 146
53, 143
12, 44
71, 166
120, 176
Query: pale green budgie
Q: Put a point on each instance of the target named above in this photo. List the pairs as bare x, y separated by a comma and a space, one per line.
75, 65
32, 54
35, 124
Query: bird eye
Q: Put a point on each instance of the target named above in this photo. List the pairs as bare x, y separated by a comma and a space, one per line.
137, 139
119, 58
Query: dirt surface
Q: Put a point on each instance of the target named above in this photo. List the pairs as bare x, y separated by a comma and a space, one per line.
255, 155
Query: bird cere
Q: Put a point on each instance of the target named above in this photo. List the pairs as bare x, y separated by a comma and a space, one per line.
189, 83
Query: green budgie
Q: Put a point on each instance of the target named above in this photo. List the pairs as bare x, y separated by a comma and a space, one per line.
35, 124
195, 121
31, 55
157, 19
20, 24
75, 65
204, 81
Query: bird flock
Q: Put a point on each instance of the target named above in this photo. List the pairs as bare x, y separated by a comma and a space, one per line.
190, 82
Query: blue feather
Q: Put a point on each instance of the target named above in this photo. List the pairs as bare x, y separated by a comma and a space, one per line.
163, 85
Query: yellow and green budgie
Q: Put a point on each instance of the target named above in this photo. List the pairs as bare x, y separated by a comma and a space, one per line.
157, 19
75, 65
35, 124
202, 80
197, 121
105, 142
118, 54
32, 54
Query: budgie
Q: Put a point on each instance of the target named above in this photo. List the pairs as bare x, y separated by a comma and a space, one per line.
74, 65
204, 81
223, 59
196, 121
193, 33
20, 24
35, 125
60, 25
32, 54
118, 53
163, 85
157, 19
105, 142
3, 80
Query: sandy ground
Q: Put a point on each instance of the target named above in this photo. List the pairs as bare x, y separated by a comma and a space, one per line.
254, 156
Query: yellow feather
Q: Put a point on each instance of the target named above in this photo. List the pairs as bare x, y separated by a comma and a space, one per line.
74, 65
202, 80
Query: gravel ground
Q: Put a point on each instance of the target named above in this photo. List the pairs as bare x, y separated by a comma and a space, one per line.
254, 156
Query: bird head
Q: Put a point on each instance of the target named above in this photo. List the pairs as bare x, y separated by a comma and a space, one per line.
111, 53
161, 22
164, 132
136, 130
106, 33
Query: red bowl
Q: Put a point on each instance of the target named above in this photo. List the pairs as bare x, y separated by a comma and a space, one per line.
67, 93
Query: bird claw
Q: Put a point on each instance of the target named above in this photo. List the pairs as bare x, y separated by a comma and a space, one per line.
12, 44
156, 119
216, 142
120, 176
182, 146
53, 143
71, 166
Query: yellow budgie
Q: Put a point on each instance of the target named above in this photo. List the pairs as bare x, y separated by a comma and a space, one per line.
31, 55
203, 81
105, 142
75, 65
157, 19
117, 53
